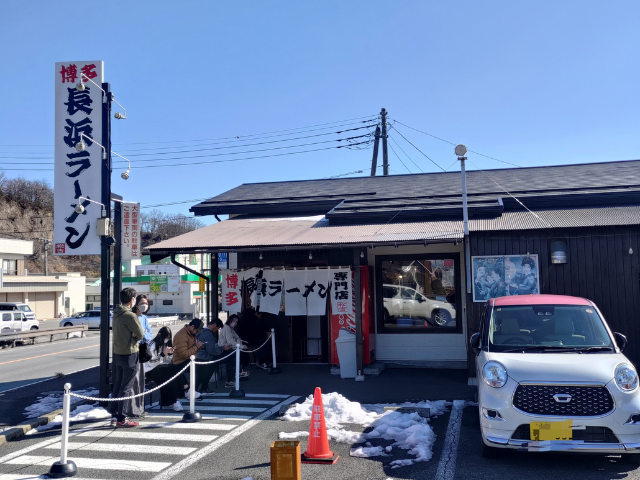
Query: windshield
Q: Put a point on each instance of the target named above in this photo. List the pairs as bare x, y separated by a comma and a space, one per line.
25, 308
573, 326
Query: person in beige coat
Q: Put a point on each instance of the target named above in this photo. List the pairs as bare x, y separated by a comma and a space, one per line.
229, 337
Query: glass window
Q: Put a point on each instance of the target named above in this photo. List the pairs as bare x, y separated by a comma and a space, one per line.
10, 267
25, 308
6, 317
167, 302
418, 294
152, 272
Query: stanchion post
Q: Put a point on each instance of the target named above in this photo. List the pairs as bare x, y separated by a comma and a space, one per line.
237, 393
64, 468
192, 416
274, 366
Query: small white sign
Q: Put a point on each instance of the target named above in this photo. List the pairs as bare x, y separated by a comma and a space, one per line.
130, 231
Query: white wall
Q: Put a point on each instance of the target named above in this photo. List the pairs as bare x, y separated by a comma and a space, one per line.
15, 247
76, 292
424, 348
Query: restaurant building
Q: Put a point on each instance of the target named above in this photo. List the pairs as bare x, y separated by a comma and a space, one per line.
570, 230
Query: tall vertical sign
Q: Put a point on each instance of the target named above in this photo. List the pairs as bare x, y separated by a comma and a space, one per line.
130, 230
77, 173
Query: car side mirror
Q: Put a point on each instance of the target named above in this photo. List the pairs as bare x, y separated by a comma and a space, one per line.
621, 341
475, 343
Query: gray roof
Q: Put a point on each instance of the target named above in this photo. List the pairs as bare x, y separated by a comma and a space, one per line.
296, 232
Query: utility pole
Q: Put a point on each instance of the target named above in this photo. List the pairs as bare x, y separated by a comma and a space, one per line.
461, 150
105, 266
385, 152
374, 160
117, 264
46, 258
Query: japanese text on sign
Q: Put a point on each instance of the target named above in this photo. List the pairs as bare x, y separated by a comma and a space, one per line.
130, 230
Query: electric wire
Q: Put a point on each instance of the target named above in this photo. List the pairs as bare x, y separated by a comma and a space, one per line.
424, 154
398, 145
454, 144
398, 157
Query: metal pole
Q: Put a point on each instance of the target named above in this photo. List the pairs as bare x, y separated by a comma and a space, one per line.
192, 416
208, 301
105, 250
46, 259
274, 366
237, 392
359, 346
385, 152
374, 160
465, 216
213, 270
65, 467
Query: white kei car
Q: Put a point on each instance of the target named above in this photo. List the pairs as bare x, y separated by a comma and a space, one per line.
552, 377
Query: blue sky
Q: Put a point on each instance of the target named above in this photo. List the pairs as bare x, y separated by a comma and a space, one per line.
531, 83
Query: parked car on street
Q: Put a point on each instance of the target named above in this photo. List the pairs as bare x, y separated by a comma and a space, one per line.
15, 321
91, 318
400, 301
19, 307
552, 377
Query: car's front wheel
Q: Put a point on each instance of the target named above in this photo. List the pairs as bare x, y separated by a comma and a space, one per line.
489, 452
68, 324
440, 318
34, 328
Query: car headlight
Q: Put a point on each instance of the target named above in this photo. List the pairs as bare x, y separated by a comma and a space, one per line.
626, 377
495, 375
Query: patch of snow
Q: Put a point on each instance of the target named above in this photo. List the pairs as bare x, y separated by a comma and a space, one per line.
75, 335
315, 218
81, 414
408, 431
292, 435
53, 401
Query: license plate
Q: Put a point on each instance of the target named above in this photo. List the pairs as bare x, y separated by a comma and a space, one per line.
544, 431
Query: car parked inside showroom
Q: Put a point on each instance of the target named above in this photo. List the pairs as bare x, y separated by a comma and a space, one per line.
552, 377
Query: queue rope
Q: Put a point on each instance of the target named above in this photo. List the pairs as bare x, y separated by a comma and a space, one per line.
146, 392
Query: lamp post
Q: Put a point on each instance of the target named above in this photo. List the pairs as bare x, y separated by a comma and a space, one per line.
461, 151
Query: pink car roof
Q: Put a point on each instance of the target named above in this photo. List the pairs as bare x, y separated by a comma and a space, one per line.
538, 300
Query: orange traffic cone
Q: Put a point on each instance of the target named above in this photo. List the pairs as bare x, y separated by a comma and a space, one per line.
318, 447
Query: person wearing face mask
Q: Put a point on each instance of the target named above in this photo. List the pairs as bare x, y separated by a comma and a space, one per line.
160, 369
140, 308
229, 337
127, 332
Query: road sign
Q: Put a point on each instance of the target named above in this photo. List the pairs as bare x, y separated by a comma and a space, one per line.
164, 283
203, 285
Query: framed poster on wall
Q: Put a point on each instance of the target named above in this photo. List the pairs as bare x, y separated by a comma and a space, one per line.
504, 275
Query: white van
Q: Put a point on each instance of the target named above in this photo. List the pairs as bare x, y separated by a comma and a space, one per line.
19, 307
14, 322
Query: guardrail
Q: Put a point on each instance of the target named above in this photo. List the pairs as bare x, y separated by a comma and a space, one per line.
33, 334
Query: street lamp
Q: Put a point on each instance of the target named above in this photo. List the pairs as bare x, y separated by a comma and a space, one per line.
461, 151
81, 147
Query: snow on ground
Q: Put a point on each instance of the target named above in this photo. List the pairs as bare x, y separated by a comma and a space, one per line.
81, 414
408, 431
52, 402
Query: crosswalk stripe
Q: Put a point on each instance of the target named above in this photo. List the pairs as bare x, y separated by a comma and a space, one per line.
204, 408
206, 416
124, 448
231, 401
247, 395
190, 426
13, 476
149, 435
96, 463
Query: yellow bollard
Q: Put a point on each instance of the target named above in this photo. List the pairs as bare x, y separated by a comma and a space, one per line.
285, 460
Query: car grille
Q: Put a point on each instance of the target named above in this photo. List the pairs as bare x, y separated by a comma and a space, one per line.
589, 434
585, 401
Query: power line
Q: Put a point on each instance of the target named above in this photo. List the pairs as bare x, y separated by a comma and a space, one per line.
424, 154
398, 145
398, 157
451, 143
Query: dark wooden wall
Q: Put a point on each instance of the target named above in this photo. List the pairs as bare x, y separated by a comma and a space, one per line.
599, 267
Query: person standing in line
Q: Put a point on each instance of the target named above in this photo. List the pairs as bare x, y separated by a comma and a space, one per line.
140, 308
127, 332
229, 337
211, 351
185, 344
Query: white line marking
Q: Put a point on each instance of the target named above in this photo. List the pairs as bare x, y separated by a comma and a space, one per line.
185, 401
447, 465
204, 408
190, 426
96, 463
203, 452
124, 448
248, 395
206, 416
13, 476
150, 435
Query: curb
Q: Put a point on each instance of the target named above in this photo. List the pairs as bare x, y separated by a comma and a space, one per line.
19, 431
